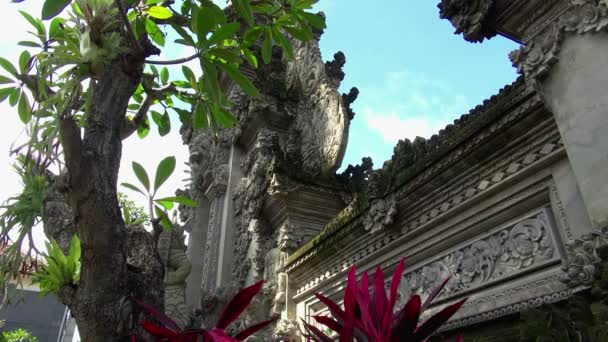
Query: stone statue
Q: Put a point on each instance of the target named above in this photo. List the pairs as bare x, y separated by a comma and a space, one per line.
172, 250
275, 278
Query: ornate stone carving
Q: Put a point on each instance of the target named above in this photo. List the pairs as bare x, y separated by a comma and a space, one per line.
473, 18
381, 214
582, 262
536, 58
501, 254
172, 250
323, 131
275, 277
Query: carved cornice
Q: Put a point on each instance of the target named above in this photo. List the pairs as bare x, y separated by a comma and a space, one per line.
536, 59
473, 18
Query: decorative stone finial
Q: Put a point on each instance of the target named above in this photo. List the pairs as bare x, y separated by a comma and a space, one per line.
473, 18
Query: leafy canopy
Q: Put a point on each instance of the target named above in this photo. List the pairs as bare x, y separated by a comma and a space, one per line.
74, 41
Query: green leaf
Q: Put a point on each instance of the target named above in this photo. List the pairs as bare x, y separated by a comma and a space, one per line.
315, 20
141, 174
34, 22
162, 121
211, 82
74, 251
250, 57
201, 120
185, 117
29, 44
244, 9
154, 32
159, 12
224, 32
164, 218
53, 7
204, 23
189, 75
166, 204
164, 75
253, 34
267, 47
56, 30
6, 65
181, 200
224, 117
14, 97
5, 92
163, 172
134, 188
24, 61
143, 130
239, 78
299, 33
283, 41
24, 109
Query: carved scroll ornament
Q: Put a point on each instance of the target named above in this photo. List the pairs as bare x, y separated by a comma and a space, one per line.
501, 254
536, 58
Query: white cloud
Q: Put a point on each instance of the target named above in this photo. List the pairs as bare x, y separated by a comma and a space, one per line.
410, 104
392, 127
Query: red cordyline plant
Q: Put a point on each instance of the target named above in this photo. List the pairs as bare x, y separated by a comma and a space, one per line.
367, 318
172, 332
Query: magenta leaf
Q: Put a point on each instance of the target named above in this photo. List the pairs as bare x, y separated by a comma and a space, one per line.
161, 317
408, 318
254, 328
436, 321
238, 304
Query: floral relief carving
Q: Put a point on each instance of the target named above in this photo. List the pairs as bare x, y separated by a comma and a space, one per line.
536, 58
381, 214
505, 252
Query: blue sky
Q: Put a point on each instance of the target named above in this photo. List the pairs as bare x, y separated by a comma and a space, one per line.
414, 76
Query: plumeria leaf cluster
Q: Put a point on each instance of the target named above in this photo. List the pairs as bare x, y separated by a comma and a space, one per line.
170, 331
20, 214
158, 207
371, 316
72, 42
59, 270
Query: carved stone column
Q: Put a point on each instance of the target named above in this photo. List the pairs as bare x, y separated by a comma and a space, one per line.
216, 194
568, 63
196, 242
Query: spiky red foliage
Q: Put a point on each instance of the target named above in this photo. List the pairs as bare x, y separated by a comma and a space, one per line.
172, 332
371, 317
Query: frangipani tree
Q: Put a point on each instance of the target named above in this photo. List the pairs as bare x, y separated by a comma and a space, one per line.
88, 80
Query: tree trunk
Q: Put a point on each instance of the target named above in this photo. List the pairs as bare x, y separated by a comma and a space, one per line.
101, 302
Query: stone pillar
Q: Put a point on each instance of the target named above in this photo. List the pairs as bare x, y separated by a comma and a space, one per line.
568, 63
226, 241
216, 195
196, 243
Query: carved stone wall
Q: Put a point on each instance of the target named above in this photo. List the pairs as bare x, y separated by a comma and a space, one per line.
490, 207
261, 178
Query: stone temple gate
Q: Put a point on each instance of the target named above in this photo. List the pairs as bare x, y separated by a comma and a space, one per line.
511, 200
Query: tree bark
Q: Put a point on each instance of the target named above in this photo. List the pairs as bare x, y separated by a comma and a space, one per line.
101, 303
